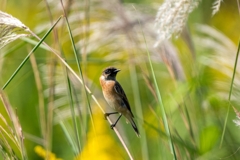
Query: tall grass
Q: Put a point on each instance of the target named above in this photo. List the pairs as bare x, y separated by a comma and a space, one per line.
230, 94
179, 103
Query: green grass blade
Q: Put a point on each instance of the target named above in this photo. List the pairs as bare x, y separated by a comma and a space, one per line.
34, 42
74, 118
14, 48
78, 64
189, 122
230, 94
26, 58
164, 117
139, 111
68, 136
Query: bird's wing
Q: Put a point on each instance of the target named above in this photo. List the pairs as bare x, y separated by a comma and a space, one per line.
119, 90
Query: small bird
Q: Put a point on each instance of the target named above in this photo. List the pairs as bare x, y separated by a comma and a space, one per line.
116, 97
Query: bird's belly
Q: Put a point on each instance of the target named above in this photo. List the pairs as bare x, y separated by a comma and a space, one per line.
114, 103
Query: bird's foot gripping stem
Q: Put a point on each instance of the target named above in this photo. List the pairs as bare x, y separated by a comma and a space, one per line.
113, 125
108, 114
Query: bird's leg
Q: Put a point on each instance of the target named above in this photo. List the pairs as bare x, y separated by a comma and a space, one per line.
113, 125
108, 114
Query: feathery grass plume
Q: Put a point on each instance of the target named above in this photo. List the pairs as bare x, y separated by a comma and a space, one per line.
172, 16
222, 49
216, 6
10, 29
237, 121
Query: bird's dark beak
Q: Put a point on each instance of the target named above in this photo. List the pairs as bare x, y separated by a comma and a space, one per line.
117, 70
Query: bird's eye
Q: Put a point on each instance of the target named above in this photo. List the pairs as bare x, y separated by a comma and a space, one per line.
107, 71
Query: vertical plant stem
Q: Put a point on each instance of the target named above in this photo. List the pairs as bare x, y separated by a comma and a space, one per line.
143, 139
50, 108
69, 137
78, 64
85, 23
74, 118
230, 94
164, 117
40, 97
136, 94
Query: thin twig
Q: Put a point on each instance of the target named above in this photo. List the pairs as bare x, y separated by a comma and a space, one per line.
88, 90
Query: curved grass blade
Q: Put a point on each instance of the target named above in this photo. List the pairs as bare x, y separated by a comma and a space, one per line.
230, 94
81, 75
26, 58
164, 117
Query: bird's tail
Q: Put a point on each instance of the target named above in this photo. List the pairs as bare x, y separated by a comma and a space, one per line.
133, 125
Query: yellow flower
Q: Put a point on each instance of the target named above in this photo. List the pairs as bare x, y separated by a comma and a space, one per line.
43, 153
100, 144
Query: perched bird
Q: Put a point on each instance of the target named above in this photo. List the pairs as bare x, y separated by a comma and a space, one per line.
116, 97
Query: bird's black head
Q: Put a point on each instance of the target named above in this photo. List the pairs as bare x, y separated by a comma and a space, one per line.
110, 73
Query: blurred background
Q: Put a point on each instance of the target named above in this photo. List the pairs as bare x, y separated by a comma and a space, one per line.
193, 69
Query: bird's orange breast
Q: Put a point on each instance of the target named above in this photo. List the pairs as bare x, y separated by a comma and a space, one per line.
110, 94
